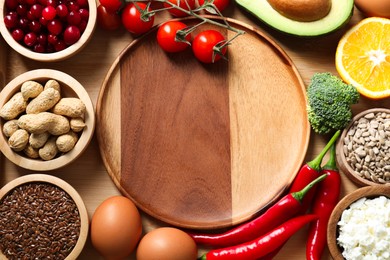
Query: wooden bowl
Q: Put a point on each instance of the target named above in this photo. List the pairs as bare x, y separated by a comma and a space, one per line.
55, 56
70, 87
59, 183
369, 192
208, 140
345, 166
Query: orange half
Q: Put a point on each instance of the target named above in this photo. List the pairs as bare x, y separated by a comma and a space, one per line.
363, 57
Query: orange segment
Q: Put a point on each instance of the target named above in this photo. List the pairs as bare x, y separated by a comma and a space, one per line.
363, 57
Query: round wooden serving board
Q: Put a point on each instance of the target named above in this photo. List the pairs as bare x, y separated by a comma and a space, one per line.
203, 146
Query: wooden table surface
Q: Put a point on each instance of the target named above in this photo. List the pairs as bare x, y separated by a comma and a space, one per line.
88, 174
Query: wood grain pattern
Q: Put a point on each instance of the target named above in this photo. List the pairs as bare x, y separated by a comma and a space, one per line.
198, 144
3, 60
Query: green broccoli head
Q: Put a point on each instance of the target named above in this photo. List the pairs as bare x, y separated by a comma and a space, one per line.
329, 103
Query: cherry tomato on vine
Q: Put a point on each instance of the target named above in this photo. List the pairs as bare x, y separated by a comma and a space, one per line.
203, 45
166, 36
185, 4
108, 20
131, 19
111, 6
220, 4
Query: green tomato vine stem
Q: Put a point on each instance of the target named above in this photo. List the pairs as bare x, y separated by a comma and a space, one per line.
145, 14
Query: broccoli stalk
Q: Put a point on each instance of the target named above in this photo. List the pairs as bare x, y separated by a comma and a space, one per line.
329, 103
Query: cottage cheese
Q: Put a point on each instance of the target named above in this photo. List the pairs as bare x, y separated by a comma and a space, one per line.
364, 230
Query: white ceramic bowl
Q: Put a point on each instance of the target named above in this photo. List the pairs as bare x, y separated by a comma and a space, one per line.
70, 87
55, 56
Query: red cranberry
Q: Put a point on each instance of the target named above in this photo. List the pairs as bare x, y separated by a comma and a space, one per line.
21, 10
30, 15
39, 48
18, 35
62, 10
82, 25
72, 6
11, 4
23, 23
31, 2
84, 13
82, 3
42, 39
36, 10
11, 20
60, 45
35, 26
74, 18
52, 3
30, 39
43, 21
49, 13
54, 27
71, 34
52, 39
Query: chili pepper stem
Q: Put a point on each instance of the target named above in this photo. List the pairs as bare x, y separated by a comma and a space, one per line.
316, 163
331, 163
301, 194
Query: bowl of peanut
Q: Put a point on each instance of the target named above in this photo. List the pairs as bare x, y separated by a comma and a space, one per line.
42, 217
363, 150
47, 120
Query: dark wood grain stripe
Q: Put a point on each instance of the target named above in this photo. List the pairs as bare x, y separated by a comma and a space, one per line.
176, 160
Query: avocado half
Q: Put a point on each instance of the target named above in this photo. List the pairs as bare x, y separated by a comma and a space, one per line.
340, 13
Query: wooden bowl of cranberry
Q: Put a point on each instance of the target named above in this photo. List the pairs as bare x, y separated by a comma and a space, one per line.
47, 30
41, 217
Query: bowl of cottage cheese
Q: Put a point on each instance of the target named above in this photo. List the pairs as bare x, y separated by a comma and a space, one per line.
359, 227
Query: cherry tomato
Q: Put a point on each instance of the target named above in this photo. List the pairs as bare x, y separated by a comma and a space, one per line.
185, 4
219, 4
107, 20
131, 19
166, 35
111, 6
203, 45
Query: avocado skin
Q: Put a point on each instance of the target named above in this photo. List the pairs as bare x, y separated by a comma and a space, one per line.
339, 15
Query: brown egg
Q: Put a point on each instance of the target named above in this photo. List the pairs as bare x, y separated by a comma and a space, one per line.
379, 8
116, 228
167, 243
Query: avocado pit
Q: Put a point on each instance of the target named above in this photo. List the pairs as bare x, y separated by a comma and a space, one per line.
302, 10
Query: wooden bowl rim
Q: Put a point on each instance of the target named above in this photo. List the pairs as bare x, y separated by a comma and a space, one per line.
342, 162
112, 167
55, 56
344, 203
85, 138
46, 178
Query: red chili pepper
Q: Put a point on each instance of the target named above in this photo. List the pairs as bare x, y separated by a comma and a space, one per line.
306, 174
286, 208
310, 172
262, 245
327, 196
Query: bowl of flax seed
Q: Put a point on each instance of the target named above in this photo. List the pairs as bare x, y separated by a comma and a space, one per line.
363, 150
41, 217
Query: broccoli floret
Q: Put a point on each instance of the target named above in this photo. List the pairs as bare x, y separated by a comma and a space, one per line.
329, 103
